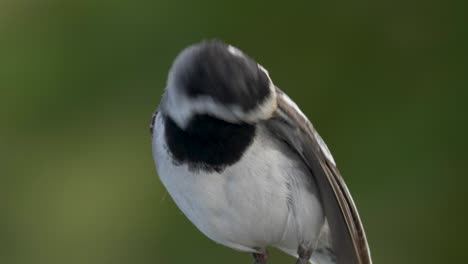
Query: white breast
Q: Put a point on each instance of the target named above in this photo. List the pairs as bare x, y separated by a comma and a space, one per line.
246, 206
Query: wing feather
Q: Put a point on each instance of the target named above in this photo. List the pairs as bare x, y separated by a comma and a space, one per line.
348, 236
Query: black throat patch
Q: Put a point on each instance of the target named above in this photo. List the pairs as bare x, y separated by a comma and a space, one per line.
208, 143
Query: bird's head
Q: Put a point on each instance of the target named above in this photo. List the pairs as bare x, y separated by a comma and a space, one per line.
216, 79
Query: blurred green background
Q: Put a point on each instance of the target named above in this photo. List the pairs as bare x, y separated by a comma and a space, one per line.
385, 82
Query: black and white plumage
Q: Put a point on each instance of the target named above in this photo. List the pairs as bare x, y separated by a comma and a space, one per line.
246, 166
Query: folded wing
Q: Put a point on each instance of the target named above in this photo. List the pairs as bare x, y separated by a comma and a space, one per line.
347, 233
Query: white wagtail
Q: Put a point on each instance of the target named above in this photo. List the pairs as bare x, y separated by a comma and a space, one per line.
246, 166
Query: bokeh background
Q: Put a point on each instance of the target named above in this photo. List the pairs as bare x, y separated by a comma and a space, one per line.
385, 82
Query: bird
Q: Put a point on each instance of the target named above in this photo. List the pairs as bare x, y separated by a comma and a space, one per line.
246, 166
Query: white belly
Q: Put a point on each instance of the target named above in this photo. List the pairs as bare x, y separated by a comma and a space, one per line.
246, 205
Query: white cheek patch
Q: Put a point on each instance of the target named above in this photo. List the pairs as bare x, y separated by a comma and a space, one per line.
182, 109
263, 111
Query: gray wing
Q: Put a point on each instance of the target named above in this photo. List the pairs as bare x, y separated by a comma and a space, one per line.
347, 233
